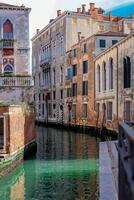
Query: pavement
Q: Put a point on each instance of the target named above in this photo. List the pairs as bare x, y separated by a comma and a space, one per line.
108, 170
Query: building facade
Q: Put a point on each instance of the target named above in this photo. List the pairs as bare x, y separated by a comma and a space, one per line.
49, 47
80, 81
114, 73
15, 73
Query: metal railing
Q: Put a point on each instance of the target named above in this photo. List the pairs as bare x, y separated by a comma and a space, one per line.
126, 161
16, 81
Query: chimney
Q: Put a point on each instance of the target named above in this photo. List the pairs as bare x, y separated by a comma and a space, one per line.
51, 20
78, 10
92, 6
110, 16
96, 10
58, 13
37, 31
83, 8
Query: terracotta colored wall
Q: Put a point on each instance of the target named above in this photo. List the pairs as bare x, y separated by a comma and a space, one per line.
19, 127
22, 129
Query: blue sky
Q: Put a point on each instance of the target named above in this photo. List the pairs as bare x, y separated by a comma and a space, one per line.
44, 10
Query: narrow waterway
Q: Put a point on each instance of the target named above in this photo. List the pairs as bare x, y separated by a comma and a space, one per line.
65, 167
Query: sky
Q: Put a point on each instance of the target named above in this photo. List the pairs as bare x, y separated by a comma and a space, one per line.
44, 10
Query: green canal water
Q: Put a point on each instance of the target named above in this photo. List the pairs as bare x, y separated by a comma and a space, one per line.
65, 167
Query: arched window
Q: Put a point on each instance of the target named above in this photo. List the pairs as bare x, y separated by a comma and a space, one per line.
104, 76
98, 78
8, 69
7, 30
111, 73
127, 72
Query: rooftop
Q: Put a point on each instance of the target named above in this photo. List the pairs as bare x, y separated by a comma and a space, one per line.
93, 12
111, 33
5, 6
114, 46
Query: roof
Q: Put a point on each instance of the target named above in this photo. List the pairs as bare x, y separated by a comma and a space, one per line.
98, 17
114, 46
111, 33
6, 6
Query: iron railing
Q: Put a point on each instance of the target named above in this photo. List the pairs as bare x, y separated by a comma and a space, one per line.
126, 161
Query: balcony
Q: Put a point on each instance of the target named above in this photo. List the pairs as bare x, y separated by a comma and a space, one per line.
16, 81
4, 43
45, 62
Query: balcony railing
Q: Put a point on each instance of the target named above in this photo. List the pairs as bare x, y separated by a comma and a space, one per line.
44, 61
126, 161
7, 43
16, 81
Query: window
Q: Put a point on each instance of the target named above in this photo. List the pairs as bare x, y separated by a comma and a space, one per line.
98, 78
74, 111
85, 67
127, 110
114, 42
48, 96
84, 110
39, 79
104, 76
1, 132
102, 43
54, 94
8, 69
49, 110
74, 89
127, 72
61, 75
85, 88
74, 67
43, 96
8, 30
39, 97
85, 48
97, 107
111, 73
54, 106
43, 109
69, 74
74, 51
61, 94
109, 110
54, 78
68, 92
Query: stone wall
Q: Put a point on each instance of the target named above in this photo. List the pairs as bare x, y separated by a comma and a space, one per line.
15, 95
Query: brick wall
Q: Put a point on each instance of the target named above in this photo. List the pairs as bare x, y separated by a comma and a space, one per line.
20, 129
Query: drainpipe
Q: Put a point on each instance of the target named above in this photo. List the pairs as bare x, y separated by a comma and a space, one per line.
117, 79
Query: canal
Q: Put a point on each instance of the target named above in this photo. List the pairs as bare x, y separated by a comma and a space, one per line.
65, 167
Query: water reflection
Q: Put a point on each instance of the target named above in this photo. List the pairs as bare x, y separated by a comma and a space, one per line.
65, 168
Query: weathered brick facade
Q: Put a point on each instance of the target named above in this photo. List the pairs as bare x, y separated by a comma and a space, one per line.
92, 49
18, 128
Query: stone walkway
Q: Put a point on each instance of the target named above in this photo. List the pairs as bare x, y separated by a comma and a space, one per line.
108, 171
